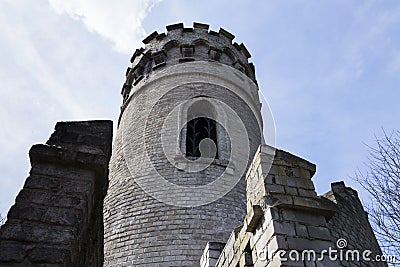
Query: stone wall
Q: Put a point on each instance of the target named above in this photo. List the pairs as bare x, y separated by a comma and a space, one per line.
286, 219
57, 217
211, 254
350, 222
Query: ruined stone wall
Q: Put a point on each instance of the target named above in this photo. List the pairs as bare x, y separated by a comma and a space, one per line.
283, 213
350, 223
285, 217
57, 218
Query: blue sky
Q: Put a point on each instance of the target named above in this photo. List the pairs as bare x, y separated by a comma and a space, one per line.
329, 70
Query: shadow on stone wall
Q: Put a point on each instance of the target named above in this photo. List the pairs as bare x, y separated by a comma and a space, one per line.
57, 218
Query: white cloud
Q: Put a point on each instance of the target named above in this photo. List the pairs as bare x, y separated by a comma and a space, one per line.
117, 21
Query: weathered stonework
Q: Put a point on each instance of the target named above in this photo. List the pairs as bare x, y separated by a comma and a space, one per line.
181, 45
57, 218
351, 222
139, 229
284, 214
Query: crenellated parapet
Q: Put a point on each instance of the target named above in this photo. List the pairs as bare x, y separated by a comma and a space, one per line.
179, 45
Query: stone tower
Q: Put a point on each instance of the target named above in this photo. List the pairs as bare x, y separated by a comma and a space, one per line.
189, 127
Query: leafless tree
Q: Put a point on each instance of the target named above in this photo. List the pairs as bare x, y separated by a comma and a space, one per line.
382, 181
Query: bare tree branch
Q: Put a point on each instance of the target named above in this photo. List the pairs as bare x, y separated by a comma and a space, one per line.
382, 182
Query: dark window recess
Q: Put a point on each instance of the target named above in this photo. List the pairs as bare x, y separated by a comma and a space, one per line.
239, 66
197, 130
159, 59
138, 74
248, 258
214, 54
187, 53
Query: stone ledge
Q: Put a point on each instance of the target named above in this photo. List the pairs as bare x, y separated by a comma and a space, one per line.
283, 158
42, 153
318, 205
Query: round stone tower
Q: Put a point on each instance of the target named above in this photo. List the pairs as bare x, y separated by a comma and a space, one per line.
189, 126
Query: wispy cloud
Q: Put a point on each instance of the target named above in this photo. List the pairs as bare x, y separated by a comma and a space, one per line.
368, 44
117, 21
32, 64
51, 69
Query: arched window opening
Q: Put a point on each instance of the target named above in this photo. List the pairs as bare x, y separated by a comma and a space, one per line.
201, 124
197, 130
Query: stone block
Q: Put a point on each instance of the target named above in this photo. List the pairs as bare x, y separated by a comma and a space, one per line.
318, 232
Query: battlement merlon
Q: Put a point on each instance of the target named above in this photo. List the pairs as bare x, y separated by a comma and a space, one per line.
180, 44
